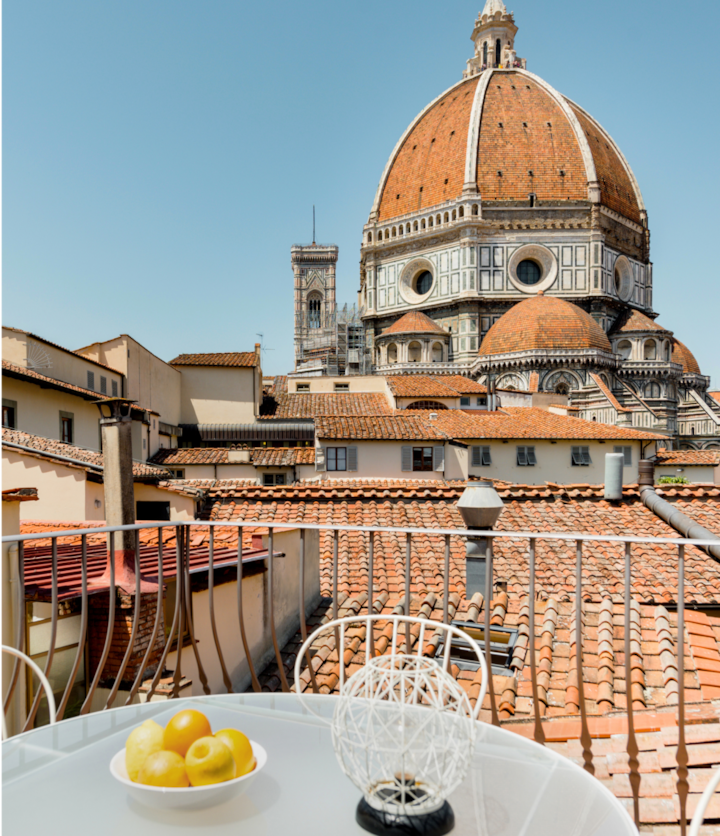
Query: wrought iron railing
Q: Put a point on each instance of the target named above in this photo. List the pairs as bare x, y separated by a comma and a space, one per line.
183, 616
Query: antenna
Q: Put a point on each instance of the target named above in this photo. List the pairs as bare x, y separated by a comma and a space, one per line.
313, 223
262, 349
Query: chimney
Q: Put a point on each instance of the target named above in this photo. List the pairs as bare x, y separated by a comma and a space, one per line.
614, 476
480, 507
646, 474
119, 489
258, 350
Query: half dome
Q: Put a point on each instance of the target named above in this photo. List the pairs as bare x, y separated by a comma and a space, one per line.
415, 322
681, 354
544, 323
530, 139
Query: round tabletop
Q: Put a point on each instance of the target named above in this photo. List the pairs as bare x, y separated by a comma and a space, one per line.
56, 779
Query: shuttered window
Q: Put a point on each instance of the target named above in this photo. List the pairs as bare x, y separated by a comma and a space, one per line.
406, 458
336, 458
91, 380
627, 454
319, 458
103, 385
526, 457
481, 457
581, 456
114, 388
439, 459
352, 458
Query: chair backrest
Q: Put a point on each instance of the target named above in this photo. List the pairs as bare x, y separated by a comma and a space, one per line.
699, 816
427, 629
43, 681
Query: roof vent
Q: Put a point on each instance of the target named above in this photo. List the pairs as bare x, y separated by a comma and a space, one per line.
433, 416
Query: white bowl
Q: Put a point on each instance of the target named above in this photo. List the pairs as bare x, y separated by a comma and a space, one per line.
187, 797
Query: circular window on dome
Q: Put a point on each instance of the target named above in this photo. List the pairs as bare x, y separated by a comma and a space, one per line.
529, 272
423, 282
623, 278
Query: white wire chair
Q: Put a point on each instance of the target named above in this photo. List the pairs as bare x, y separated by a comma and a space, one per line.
338, 627
43, 681
699, 816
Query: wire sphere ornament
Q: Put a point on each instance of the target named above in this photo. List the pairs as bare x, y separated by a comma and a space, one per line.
404, 733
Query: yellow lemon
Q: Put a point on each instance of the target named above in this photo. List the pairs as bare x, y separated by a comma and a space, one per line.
241, 750
142, 742
184, 729
164, 769
209, 761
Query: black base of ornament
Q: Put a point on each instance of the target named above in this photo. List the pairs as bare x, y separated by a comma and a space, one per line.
437, 823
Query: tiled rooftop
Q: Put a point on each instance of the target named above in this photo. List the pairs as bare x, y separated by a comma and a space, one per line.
61, 347
433, 386
45, 448
688, 457
633, 320
682, 354
282, 456
311, 405
171, 457
544, 323
35, 377
415, 322
239, 359
408, 426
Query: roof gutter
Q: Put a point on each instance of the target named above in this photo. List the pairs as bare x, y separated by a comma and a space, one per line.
670, 514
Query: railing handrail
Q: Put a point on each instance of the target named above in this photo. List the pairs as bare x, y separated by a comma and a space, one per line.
289, 524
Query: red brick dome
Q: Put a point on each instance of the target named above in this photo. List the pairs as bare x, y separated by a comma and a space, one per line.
531, 139
544, 323
682, 354
415, 322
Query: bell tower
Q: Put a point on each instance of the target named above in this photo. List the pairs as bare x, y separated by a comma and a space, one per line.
494, 39
314, 267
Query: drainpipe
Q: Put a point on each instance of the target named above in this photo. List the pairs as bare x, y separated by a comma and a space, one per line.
669, 513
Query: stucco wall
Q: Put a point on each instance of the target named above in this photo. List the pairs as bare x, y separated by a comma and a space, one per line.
356, 383
219, 395
707, 475
181, 507
379, 460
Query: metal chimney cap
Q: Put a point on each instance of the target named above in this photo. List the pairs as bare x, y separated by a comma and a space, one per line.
480, 505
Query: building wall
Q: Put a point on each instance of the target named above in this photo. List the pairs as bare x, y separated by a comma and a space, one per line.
707, 475
10, 526
379, 460
220, 395
38, 412
181, 507
356, 383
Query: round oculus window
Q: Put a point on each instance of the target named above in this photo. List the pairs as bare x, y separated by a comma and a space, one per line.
423, 282
529, 272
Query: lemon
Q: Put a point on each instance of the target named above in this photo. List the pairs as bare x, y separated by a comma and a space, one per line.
209, 761
241, 750
164, 769
184, 729
143, 741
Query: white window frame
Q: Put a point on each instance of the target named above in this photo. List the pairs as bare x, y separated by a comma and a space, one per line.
481, 456
580, 456
626, 450
526, 456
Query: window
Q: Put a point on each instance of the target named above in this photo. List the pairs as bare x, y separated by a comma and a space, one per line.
528, 272
270, 479
303, 387
482, 401
9, 409
66, 427
464, 401
336, 458
342, 387
114, 388
526, 457
155, 511
581, 456
627, 454
481, 457
422, 458
314, 307
650, 350
423, 283
91, 380
103, 385
177, 474
652, 390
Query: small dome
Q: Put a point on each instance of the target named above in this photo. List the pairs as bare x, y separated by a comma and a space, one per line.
414, 322
544, 323
635, 321
682, 354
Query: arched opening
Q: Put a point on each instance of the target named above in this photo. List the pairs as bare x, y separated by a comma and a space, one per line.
434, 405
485, 53
392, 353
422, 224
414, 352
415, 226
562, 388
407, 229
430, 221
624, 349
400, 230
650, 350
394, 232
447, 218
652, 390
437, 353
370, 237
498, 52
438, 220
314, 309
668, 351
454, 215
461, 211
474, 208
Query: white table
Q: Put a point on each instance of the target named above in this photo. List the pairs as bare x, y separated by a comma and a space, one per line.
56, 780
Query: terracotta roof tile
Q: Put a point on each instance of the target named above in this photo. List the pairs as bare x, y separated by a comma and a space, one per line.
682, 354
409, 426
433, 386
14, 370
415, 322
544, 323
633, 320
309, 405
282, 456
173, 456
239, 359
47, 448
715, 396
688, 457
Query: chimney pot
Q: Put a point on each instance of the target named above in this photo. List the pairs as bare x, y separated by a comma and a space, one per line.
646, 474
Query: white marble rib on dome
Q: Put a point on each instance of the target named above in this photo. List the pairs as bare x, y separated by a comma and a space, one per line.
492, 6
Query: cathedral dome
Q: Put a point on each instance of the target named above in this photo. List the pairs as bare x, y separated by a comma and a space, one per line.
503, 135
544, 323
682, 354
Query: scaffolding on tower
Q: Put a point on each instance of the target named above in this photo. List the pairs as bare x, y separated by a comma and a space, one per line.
332, 344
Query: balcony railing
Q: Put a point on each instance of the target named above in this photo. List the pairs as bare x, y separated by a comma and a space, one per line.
153, 563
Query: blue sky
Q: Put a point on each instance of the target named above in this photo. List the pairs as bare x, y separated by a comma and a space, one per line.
162, 156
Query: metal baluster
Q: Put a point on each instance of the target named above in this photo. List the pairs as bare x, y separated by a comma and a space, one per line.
83, 629
683, 786
180, 603
341, 655
539, 734
189, 615
133, 629
53, 637
335, 574
241, 617
111, 625
632, 747
488, 654
20, 624
156, 625
303, 625
271, 610
585, 733
211, 604
173, 627
370, 631
446, 582
408, 552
